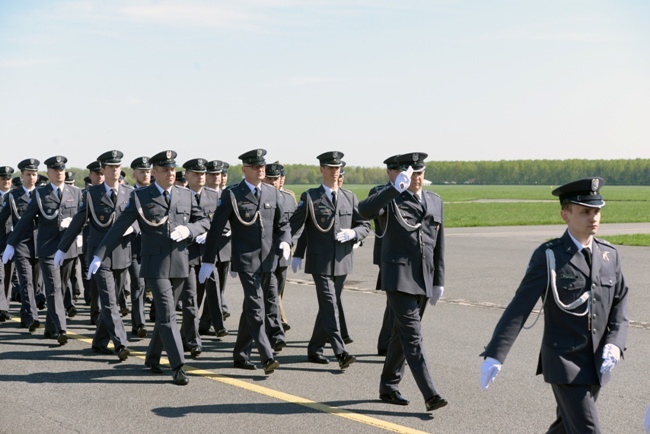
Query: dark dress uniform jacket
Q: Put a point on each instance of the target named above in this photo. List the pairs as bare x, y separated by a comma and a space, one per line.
248, 254
104, 211
326, 255
376, 249
208, 203
49, 230
162, 257
412, 260
14, 206
572, 346
289, 206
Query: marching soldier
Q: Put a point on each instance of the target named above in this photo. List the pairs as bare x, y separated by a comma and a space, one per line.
579, 280
332, 224
168, 217
91, 294
6, 270
25, 258
259, 232
412, 273
54, 205
102, 205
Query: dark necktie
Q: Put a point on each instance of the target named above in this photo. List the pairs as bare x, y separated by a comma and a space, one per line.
59, 193
256, 192
334, 198
113, 196
198, 198
587, 254
166, 194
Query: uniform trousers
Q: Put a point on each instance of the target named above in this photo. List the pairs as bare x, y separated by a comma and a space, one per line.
27, 270
166, 334
406, 345
281, 277
576, 409
387, 323
251, 322
190, 323
327, 324
223, 267
5, 285
273, 323
67, 287
210, 302
54, 280
137, 294
109, 325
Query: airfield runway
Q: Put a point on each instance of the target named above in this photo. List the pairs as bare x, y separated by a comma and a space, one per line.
47, 388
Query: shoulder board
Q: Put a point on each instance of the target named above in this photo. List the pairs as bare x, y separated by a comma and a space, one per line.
604, 242
432, 192
554, 242
129, 188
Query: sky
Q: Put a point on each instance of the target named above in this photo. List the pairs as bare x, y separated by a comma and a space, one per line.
458, 80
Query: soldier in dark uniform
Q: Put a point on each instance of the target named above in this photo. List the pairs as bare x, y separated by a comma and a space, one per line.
291, 207
102, 205
392, 170
259, 232
54, 204
142, 175
412, 273
168, 217
579, 280
91, 294
332, 224
224, 174
225, 252
25, 259
6, 270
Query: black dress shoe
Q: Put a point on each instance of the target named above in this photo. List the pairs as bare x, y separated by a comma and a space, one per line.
346, 360
4, 315
72, 312
435, 403
394, 397
226, 315
195, 351
62, 339
270, 366
347, 340
286, 326
125, 311
382, 352
245, 364
207, 332
123, 353
179, 377
278, 345
318, 358
154, 367
34, 325
40, 304
101, 350
140, 332
222, 332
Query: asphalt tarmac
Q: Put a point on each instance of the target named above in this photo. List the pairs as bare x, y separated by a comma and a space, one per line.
48, 388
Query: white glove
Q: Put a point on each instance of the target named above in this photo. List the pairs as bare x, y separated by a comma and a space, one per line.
646, 421
93, 267
59, 257
346, 235
201, 238
8, 254
205, 271
286, 249
227, 234
128, 231
66, 222
180, 233
611, 355
437, 294
80, 241
489, 371
296, 264
233, 274
356, 245
403, 180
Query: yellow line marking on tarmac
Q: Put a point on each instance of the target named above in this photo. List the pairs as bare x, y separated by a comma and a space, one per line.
287, 397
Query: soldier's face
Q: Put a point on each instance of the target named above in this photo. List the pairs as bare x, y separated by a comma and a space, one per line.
224, 179
112, 172
416, 182
582, 221
330, 175
29, 178
57, 176
195, 180
5, 184
275, 182
282, 180
165, 176
96, 178
213, 180
254, 174
142, 176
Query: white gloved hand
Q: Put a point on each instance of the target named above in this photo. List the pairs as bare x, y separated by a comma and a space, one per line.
80, 241
646, 421
128, 231
403, 180
356, 245
201, 238
233, 274
94, 266
346, 235
59, 257
8, 254
180, 233
227, 234
489, 371
66, 222
205, 271
296, 264
286, 249
611, 356
437, 294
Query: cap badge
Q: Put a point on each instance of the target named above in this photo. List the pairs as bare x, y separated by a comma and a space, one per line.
145, 160
31, 161
58, 158
168, 154
259, 152
114, 153
594, 184
416, 156
335, 154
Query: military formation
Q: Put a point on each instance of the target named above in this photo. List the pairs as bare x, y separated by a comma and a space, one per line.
179, 235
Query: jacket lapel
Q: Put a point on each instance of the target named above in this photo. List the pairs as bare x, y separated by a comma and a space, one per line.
157, 196
576, 257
